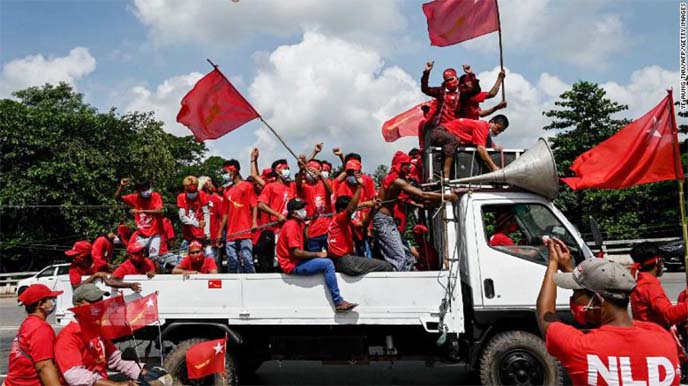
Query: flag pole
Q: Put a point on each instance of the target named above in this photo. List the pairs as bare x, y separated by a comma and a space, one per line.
681, 191
501, 54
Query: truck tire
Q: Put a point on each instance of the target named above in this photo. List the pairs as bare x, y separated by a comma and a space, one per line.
175, 364
518, 358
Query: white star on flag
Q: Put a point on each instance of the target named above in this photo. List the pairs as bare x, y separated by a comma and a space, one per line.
653, 129
218, 348
149, 303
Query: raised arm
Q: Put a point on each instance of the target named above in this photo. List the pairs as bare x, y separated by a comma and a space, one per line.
545, 308
427, 90
316, 149
122, 183
254, 167
491, 110
497, 85
337, 151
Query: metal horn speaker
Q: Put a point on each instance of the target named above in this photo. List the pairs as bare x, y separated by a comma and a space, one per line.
535, 171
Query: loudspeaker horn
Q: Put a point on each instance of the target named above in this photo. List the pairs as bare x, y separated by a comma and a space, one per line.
535, 171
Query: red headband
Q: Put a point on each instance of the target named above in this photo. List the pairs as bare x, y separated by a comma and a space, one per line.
195, 244
281, 166
314, 165
231, 168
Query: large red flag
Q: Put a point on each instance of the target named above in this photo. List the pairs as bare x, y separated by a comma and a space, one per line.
106, 318
214, 107
644, 151
142, 312
455, 21
206, 358
404, 124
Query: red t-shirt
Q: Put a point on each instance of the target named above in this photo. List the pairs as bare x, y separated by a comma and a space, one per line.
206, 265
77, 271
449, 108
276, 195
291, 237
74, 351
194, 209
129, 268
239, 200
613, 355
215, 206
469, 131
367, 194
500, 239
470, 107
650, 303
36, 338
167, 234
102, 250
340, 240
147, 224
317, 203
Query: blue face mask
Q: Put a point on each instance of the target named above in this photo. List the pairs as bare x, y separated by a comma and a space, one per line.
351, 180
147, 193
192, 196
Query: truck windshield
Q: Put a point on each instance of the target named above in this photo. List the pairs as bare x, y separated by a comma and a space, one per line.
517, 229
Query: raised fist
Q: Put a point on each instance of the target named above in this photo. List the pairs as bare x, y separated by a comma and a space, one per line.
254, 154
124, 181
428, 65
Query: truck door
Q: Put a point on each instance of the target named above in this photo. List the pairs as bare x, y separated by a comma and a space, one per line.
511, 255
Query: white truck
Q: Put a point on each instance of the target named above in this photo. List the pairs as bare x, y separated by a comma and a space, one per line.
479, 309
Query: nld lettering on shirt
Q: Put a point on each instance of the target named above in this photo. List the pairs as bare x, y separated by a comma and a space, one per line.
617, 371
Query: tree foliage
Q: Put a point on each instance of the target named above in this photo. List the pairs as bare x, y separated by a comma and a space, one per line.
584, 118
60, 164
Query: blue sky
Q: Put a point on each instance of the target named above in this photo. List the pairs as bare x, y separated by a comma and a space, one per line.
333, 71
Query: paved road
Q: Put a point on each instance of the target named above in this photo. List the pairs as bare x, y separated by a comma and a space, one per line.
314, 373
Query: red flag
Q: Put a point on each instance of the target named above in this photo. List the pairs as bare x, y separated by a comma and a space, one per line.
206, 358
214, 107
404, 124
644, 151
455, 21
142, 312
106, 318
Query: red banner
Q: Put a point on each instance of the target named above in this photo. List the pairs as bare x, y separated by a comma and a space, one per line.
404, 124
214, 107
206, 358
106, 318
644, 151
455, 21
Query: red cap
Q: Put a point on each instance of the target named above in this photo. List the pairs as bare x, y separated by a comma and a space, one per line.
420, 229
37, 292
135, 247
354, 165
195, 244
449, 73
82, 247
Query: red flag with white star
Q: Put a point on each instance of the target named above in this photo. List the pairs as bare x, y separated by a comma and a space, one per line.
214, 107
106, 318
455, 21
142, 312
644, 151
206, 358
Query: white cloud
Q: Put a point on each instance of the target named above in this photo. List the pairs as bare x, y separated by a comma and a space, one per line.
575, 32
36, 70
646, 88
164, 100
216, 23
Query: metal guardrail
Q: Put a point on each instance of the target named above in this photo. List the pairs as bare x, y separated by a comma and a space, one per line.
8, 281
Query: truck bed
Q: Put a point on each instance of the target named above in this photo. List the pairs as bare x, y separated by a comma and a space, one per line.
384, 298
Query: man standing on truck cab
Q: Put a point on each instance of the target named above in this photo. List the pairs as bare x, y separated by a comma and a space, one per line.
32, 351
86, 362
387, 236
136, 264
476, 133
83, 264
146, 206
621, 350
293, 259
341, 243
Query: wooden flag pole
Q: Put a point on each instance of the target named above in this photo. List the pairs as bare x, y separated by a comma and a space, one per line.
501, 54
681, 191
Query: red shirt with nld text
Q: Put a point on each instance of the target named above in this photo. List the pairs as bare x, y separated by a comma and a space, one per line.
147, 224
611, 355
650, 303
291, 237
193, 209
204, 266
340, 240
276, 195
317, 203
469, 131
74, 351
367, 194
36, 338
238, 203
470, 107
130, 268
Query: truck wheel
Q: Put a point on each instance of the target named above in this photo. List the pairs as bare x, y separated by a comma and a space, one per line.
175, 364
518, 358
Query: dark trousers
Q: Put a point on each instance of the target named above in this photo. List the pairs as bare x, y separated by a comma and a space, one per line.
264, 250
357, 265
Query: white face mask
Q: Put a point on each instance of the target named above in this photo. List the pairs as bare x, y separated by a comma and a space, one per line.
52, 306
227, 179
192, 196
325, 174
147, 193
286, 173
300, 214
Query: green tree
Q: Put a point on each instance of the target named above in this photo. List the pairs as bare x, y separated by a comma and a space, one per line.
584, 118
379, 174
60, 163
